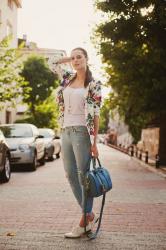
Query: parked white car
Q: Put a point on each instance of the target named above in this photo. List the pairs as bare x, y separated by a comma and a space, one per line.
25, 143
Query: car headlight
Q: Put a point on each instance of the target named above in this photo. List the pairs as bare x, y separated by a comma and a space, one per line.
23, 147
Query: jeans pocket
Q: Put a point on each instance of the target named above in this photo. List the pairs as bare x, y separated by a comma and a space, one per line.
81, 131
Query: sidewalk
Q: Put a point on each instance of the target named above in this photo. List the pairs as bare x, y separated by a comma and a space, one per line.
38, 208
150, 165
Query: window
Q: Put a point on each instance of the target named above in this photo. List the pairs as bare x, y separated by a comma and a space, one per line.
16, 131
9, 29
8, 116
10, 4
35, 130
0, 17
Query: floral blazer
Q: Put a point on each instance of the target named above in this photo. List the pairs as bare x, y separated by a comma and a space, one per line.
92, 103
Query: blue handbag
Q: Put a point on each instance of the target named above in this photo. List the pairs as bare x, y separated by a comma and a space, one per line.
97, 183
98, 180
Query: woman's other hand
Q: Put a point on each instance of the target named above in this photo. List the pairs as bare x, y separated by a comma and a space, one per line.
94, 151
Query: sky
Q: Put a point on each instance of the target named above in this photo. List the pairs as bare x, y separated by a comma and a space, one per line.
61, 24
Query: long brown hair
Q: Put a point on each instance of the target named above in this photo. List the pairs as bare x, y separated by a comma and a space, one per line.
88, 74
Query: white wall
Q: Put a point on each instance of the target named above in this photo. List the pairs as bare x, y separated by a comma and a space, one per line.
121, 129
125, 139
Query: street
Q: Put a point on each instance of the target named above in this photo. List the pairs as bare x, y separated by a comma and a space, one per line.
37, 208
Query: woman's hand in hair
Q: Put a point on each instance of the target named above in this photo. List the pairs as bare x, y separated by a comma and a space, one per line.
94, 150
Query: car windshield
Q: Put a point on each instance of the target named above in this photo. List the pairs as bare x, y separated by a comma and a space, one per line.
16, 131
46, 133
1, 134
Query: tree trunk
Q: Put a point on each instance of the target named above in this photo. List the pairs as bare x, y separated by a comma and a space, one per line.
162, 142
32, 108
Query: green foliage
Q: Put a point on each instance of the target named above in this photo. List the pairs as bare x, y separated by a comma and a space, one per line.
12, 85
132, 42
104, 116
41, 80
46, 114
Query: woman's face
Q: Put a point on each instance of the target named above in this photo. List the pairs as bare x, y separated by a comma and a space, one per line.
78, 60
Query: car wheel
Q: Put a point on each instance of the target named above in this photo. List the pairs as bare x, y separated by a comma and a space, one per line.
5, 175
42, 160
57, 155
33, 165
51, 158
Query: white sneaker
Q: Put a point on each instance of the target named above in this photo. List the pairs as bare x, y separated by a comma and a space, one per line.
77, 232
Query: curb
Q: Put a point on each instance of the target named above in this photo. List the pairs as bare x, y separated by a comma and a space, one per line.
151, 168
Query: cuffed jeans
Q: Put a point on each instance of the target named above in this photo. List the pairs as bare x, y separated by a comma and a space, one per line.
76, 158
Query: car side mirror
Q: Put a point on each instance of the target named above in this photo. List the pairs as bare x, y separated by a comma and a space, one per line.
56, 137
39, 136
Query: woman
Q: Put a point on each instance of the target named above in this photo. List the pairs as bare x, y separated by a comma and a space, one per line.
79, 102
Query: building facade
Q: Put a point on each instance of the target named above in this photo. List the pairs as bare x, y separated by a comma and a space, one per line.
8, 26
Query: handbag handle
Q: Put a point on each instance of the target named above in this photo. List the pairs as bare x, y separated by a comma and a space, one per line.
94, 162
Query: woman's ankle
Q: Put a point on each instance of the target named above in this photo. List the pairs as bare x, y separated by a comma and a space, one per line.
89, 218
82, 224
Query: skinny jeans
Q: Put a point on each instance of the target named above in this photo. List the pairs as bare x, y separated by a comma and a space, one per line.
76, 159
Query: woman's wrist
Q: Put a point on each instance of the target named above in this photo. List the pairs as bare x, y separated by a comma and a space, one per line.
95, 139
94, 142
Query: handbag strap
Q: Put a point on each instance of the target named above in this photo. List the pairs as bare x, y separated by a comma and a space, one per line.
91, 235
94, 235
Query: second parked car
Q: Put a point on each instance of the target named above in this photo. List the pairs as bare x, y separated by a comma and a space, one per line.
25, 143
52, 143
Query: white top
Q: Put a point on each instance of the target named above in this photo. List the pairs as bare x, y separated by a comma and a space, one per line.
74, 102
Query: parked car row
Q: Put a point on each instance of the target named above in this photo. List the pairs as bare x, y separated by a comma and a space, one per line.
23, 143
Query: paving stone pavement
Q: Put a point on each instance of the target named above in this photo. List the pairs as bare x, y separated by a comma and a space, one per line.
37, 208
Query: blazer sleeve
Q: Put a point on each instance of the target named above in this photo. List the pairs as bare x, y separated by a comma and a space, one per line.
96, 97
59, 95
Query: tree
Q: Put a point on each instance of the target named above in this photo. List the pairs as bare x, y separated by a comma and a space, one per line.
41, 80
12, 84
104, 116
46, 114
132, 42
